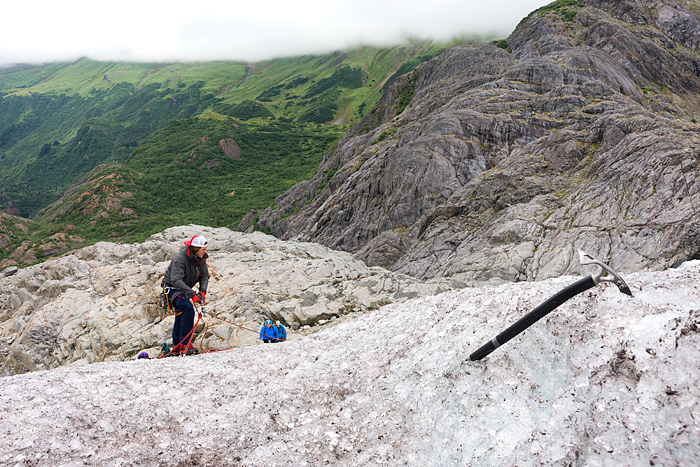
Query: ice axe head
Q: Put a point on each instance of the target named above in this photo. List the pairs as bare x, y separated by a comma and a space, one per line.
614, 277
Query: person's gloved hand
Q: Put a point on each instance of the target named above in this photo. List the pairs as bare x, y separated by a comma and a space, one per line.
199, 298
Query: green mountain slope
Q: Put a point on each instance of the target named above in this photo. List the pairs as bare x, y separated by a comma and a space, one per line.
202, 170
59, 121
48, 141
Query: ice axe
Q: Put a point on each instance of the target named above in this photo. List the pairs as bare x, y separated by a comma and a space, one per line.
553, 302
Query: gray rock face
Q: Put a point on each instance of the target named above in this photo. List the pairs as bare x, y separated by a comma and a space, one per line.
101, 303
489, 166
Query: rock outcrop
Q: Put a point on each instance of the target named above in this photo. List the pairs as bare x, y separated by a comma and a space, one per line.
100, 302
231, 148
487, 166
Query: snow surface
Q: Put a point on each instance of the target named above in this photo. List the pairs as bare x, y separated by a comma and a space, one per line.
604, 380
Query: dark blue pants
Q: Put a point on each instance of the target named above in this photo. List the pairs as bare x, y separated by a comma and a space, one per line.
184, 322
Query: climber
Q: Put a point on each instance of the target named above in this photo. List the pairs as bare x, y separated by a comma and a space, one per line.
187, 268
268, 333
281, 332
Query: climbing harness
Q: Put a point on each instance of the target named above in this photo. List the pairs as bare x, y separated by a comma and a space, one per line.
165, 300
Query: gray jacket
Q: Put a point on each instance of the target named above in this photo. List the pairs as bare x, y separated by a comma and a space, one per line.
185, 271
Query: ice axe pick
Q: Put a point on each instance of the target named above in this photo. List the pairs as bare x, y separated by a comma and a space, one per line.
607, 274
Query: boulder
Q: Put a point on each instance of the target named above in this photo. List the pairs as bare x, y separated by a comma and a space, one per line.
10, 271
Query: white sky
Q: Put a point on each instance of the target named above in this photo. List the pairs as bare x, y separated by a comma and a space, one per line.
175, 30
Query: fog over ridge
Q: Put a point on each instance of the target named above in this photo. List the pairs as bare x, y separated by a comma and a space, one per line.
216, 30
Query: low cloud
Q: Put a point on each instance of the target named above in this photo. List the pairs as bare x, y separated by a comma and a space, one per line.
251, 31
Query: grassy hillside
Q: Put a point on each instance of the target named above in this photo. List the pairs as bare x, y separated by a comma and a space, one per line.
204, 170
59, 121
49, 141
201, 170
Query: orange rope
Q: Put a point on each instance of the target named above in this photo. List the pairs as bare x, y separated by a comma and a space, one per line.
190, 335
242, 327
201, 342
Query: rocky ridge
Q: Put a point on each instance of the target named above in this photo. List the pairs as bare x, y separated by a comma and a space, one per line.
100, 303
487, 165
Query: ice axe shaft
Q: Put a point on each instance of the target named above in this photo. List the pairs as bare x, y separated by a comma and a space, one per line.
553, 302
